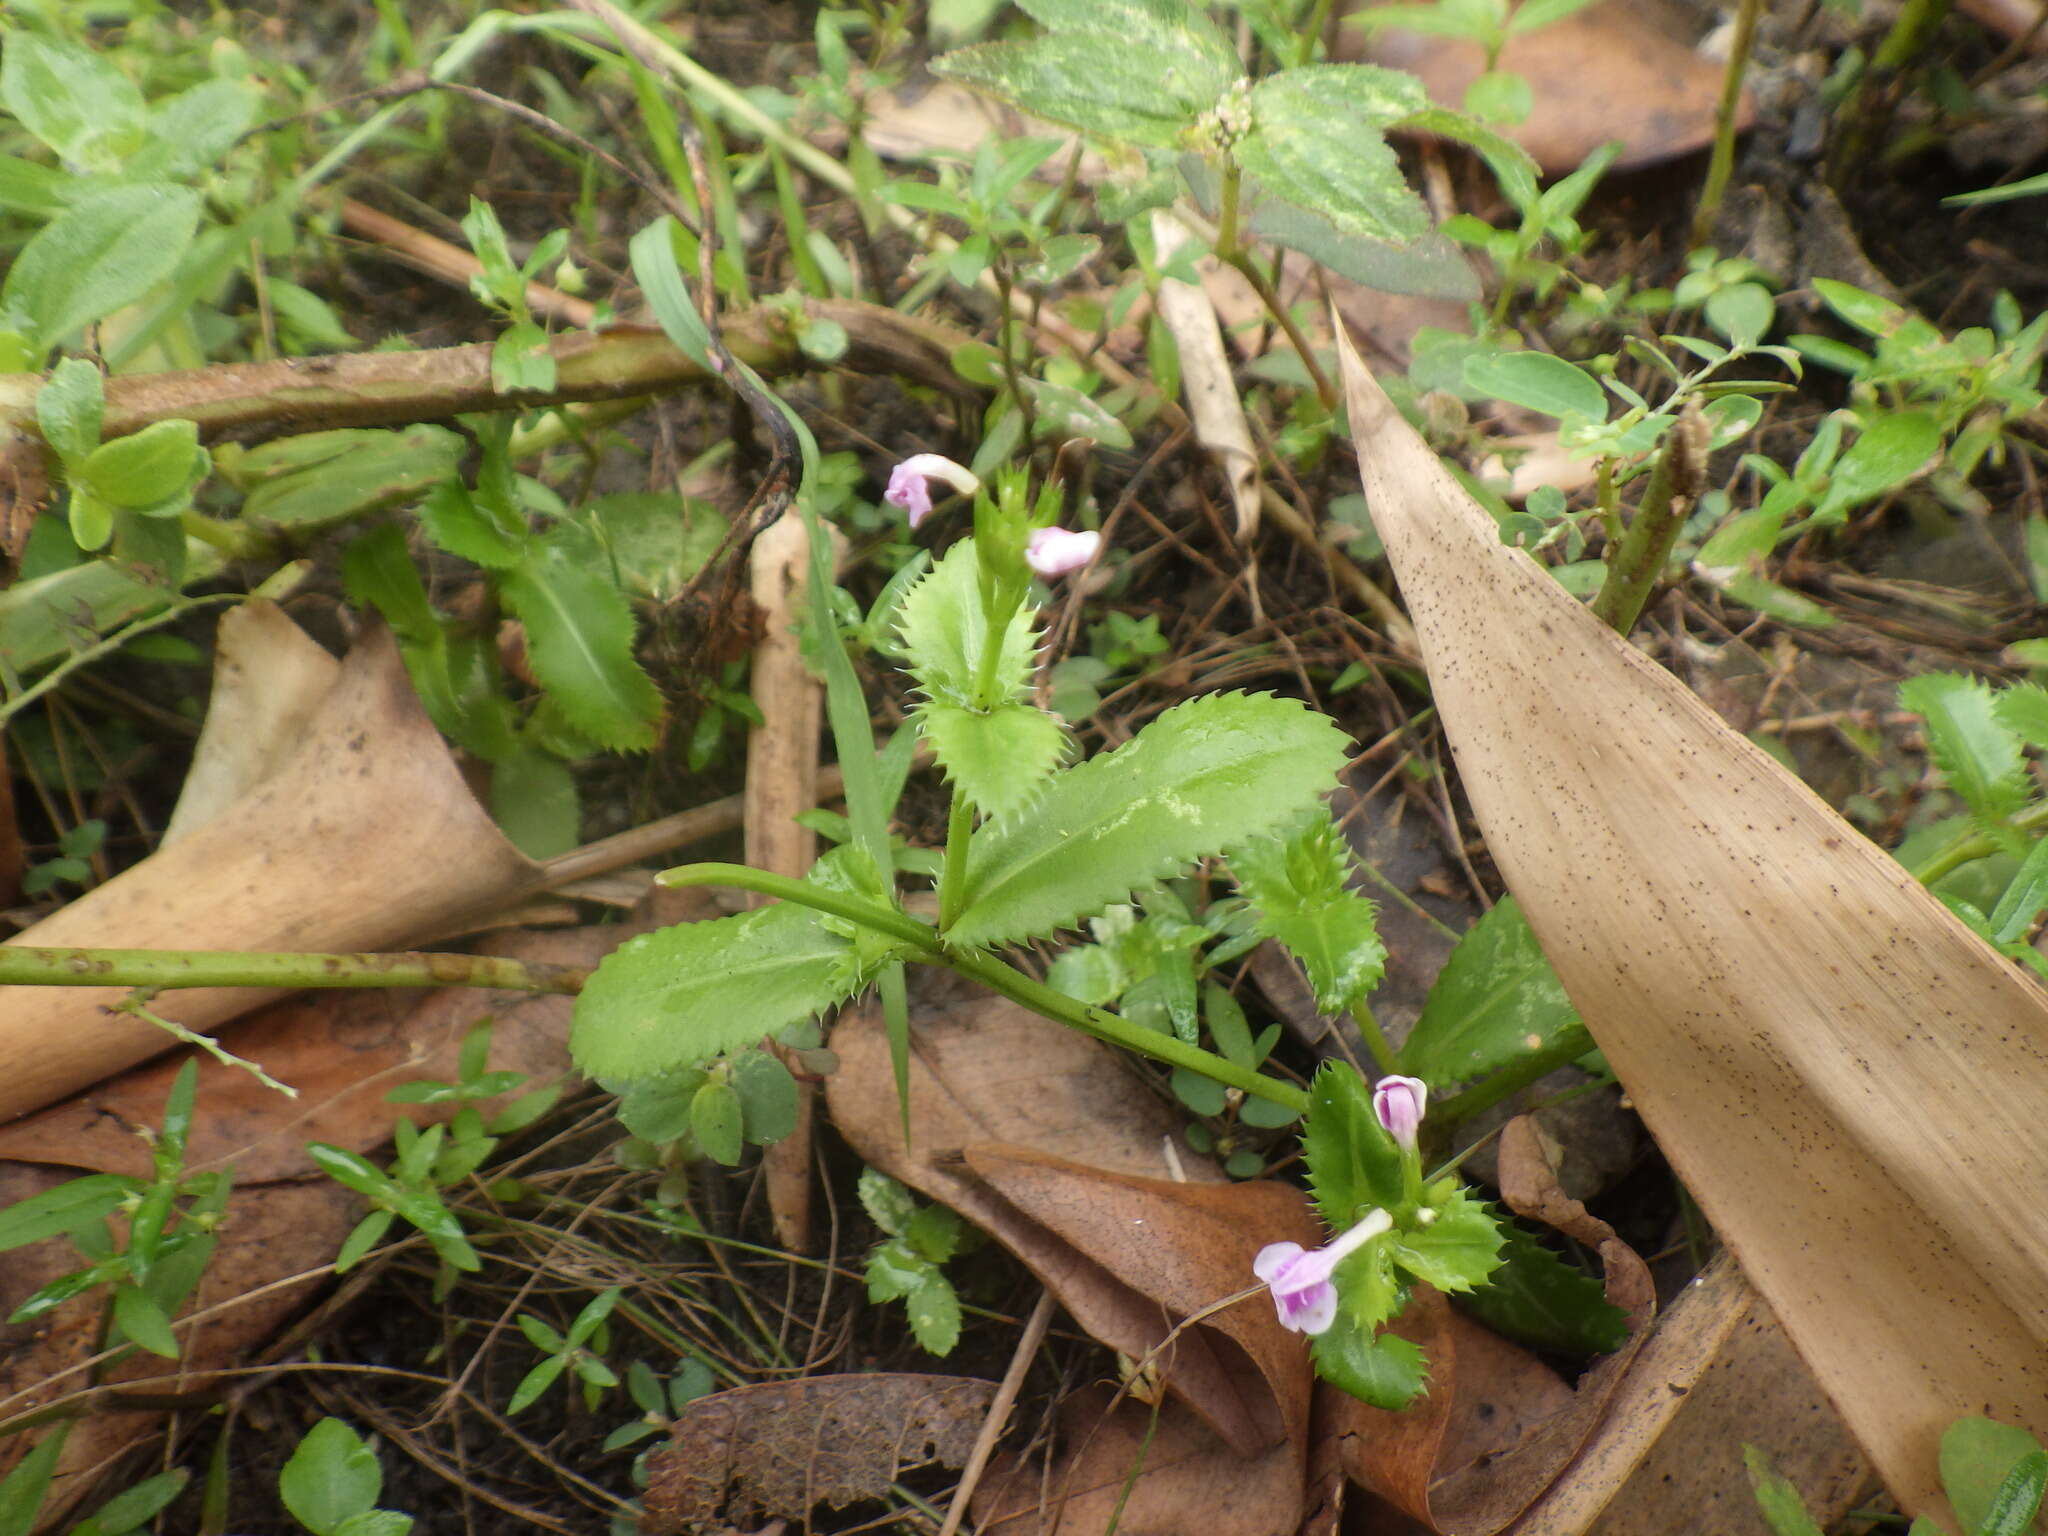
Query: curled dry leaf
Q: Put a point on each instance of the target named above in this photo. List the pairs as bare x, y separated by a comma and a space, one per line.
366, 837
1842, 1073
1612, 71
1206, 381
780, 1449
1498, 1426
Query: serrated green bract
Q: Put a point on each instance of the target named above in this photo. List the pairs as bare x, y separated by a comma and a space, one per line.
1496, 1001
1458, 1249
944, 630
1133, 90
1973, 747
1297, 882
997, 759
579, 640
1537, 1299
1316, 141
671, 998
1208, 774
1388, 1371
1353, 1164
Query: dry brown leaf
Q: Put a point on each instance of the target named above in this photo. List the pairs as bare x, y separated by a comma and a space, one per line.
1206, 380
1186, 1481
367, 838
1841, 1072
1612, 71
269, 679
782, 1448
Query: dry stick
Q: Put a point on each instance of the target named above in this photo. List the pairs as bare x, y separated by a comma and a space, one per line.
1725, 114
998, 1416
451, 263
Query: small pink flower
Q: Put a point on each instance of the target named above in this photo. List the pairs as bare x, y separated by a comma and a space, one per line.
909, 487
1299, 1278
1399, 1102
1054, 551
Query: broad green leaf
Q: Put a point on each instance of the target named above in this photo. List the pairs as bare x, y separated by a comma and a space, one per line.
103, 252
1317, 141
2023, 707
1977, 752
331, 1476
144, 1322
39, 191
1298, 883
1171, 24
2018, 1498
1777, 1498
1066, 412
1206, 775
1512, 166
1353, 1164
69, 409
579, 637
895, 1270
1496, 1001
943, 630
768, 1096
193, 129
1977, 1455
1888, 453
998, 759
655, 269
1386, 1371
376, 1522
715, 1122
74, 100
66, 1208
1431, 266
1538, 381
146, 467
674, 997
657, 539
1134, 90
656, 1108
1742, 312
1537, 1299
888, 1204
1455, 1252
533, 801
1500, 96
934, 1311
1870, 314
132, 1508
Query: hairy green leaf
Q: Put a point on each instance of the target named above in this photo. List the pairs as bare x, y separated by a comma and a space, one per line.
1973, 747
1387, 1371
1298, 884
1496, 1001
579, 637
944, 631
1537, 1299
74, 100
1136, 90
194, 128
1432, 266
1208, 774
1317, 141
1353, 1164
103, 252
671, 998
997, 759
1162, 23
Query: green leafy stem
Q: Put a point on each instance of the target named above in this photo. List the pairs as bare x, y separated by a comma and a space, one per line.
994, 974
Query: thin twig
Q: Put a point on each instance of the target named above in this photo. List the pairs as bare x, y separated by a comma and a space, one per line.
998, 1415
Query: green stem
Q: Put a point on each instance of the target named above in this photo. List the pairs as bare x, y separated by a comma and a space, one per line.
1227, 248
1635, 566
1965, 846
994, 974
953, 876
1375, 1039
1270, 297
1512, 1079
1312, 34
1723, 161
168, 969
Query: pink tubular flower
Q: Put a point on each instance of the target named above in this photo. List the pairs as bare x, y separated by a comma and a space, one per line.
1299, 1278
909, 487
1399, 1102
1054, 551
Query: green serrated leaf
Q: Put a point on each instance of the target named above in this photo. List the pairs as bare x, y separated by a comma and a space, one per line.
1317, 141
1298, 884
1134, 91
888, 1203
1208, 774
533, 801
895, 1270
934, 1310
579, 636
1353, 1164
103, 252
1537, 1299
674, 997
1973, 747
455, 521
996, 759
1386, 1371
2023, 707
1456, 1251
1496, 1001
944, 631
